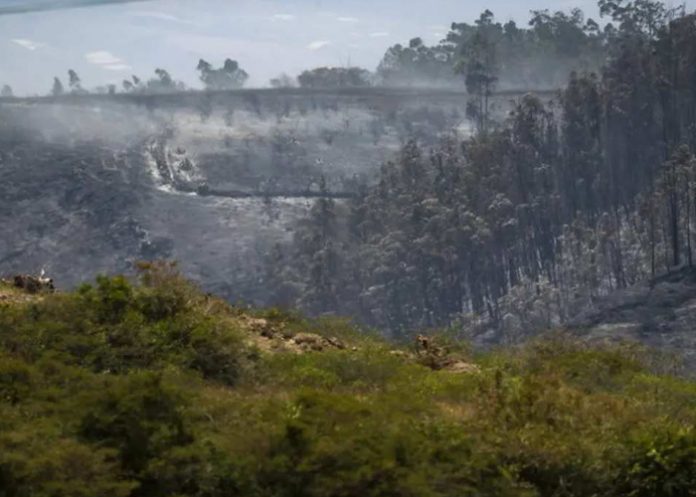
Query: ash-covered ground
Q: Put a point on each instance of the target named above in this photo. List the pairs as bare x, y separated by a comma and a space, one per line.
91, 186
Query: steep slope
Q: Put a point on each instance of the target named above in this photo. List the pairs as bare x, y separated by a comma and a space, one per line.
659, 313
214, 181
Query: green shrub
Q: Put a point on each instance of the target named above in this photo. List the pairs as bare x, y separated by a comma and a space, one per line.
15, 379
149, 389
661, 461
137, 415
109, 299
35, 460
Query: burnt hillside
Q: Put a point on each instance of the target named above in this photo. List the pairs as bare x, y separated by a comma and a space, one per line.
660, 313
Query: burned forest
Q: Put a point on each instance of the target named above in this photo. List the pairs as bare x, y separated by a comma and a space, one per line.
341, 249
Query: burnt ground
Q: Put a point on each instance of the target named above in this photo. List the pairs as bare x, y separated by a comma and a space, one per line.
660, 313
82, 209
92, 186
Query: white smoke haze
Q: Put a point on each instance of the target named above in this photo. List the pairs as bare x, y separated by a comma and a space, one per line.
211, 182
267, 38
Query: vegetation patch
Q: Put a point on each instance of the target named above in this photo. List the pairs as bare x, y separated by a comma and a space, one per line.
156, 389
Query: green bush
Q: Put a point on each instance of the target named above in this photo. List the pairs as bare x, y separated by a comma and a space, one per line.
15, 379
36, 460
150, 389
115, 326
661, 461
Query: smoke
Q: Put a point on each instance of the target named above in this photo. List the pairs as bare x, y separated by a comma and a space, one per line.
23, 6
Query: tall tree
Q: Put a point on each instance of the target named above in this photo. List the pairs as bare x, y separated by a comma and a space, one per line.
479, 66
74, 82
58, 88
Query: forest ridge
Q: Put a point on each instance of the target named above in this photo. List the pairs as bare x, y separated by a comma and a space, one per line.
536, 214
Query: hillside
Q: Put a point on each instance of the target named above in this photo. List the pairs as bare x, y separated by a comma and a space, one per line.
212, 180
153, 388
660, 313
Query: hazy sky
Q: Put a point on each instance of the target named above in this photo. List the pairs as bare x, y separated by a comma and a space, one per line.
106, 44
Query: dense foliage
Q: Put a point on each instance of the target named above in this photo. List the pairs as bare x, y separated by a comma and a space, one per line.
530, 218
154, 389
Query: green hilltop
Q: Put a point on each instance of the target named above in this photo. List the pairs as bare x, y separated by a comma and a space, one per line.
153, 388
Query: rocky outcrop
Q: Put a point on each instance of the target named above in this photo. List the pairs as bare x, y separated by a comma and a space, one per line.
271, 336
33, 284
439, 358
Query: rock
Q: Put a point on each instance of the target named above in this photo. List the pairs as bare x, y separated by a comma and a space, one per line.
261, 327
437, 358
311, 341
271, 336
462, 367
335, 342
422, 342
33, 284
425, 347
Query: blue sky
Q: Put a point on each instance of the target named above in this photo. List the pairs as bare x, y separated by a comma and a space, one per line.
268, 37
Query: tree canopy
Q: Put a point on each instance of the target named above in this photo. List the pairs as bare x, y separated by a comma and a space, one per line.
538, 56
537, 214
229, 77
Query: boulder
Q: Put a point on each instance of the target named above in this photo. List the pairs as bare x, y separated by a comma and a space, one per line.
311, 341
261, 327
462, 367
336, 343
